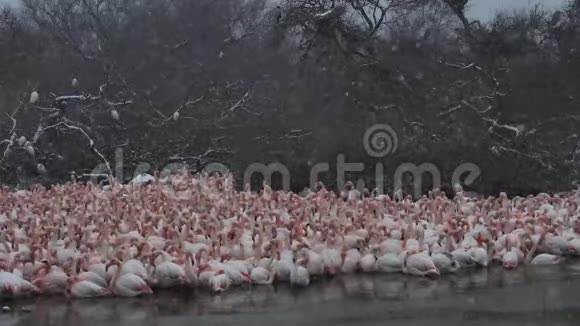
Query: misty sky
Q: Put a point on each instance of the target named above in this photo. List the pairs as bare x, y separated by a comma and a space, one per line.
479, 9
485, 9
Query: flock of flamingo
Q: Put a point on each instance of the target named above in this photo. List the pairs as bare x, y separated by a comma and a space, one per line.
82, 240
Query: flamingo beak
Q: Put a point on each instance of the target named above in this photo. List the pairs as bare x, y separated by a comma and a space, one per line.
247, 277
433, 273
38, 283
151, 281
35, 289
146, 289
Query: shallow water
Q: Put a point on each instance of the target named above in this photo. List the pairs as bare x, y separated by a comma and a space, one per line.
542, 295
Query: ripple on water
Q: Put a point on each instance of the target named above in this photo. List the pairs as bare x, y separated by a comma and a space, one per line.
573, 268
532, 295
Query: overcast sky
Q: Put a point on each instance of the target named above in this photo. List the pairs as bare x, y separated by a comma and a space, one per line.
485, 9
480, 9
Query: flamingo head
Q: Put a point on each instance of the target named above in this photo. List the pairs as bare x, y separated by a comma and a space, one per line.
577, 227
146, 289
433, 273
38, 282
348, 186
509, 264
46, 264
204, 267
72, 280
247, 277
113, 261
226, 257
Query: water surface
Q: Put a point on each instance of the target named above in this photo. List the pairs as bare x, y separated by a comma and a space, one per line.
543, 295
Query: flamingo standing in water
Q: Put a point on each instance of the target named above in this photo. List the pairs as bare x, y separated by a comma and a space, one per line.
219, 282
543, 258
12, 285
127, 284
51, 279
510, 259
445, 262
350, 261
167, 273
419, 264
299, 275
77, 288
261, 276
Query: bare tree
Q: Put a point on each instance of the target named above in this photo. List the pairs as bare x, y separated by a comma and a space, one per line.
235, 82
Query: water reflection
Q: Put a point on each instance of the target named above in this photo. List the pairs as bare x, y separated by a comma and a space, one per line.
534, 296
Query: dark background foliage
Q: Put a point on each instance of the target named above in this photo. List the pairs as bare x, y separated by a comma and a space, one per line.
298, 84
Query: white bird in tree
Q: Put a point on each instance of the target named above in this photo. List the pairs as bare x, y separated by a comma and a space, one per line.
115, 115
75, 82
40, 168
29, 149
21, 141
34, 97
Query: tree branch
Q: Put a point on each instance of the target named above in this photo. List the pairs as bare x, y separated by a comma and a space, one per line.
91, 142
